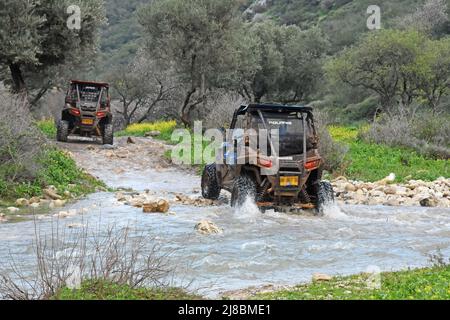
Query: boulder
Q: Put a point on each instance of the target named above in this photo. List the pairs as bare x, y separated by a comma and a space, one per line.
429, 202
57, 203
161, 206
207, 227
35, 205
389, 179
51, 193
130, 140
349, 187
321, 277
12, 209
3, 217
22, 202
34, 200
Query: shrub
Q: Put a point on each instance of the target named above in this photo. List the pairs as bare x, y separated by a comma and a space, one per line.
333, 152
20, 141
426, 133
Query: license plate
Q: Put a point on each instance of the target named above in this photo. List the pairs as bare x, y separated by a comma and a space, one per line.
88, 122
289, 181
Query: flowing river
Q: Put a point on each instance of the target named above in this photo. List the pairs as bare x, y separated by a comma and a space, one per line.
254, 249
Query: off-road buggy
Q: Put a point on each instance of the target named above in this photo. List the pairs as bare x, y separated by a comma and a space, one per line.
87, 112
294, 183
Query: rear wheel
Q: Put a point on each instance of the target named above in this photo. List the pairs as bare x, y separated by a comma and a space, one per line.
108, 134
244, 187
325, 196
210, 185
62, 131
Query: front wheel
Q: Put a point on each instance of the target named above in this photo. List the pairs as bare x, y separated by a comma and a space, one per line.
210, 185
108, 134
325, 196
244, 187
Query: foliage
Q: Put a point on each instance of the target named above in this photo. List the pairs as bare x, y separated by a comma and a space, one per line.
35, 39
140, 129
47, 127
427, 134
418, 284
288, 65
373, 162
195, 36
399, 66
140, 87
103, 290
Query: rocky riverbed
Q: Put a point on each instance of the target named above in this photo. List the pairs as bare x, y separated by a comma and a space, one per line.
386, 192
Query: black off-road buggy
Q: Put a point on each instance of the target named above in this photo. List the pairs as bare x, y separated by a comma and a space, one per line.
87, 112
294, 182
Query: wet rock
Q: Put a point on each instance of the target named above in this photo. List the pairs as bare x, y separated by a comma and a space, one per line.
3, 218
152, 133
108, 147
130, 140
161, 206
57, 203
207, 227
321, 277
51, 193
12, 209
22, 202
429, 202
193, 201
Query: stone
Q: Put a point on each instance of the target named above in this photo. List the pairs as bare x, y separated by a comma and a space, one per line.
152, 133
161, 206
57, 203
390, 190
206, 227
51, 193
34, 200
429, 202
12, 209
389, 179
130, 140
349, 187
22, 202
35, 205
67, 194
321, 277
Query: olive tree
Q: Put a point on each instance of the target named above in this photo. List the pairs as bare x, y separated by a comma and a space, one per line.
35, 40
197, 37
289, 63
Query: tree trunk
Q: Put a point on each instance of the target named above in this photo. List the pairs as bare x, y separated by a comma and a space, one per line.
17, 78
186, 109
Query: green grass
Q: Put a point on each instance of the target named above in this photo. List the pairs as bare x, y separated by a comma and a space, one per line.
55, 168
429, 283
101, 290
48, 128
372, 162
166, 129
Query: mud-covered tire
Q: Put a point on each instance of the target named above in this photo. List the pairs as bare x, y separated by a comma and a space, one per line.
108, 134
210, 185
244, 187
62, 131
325, 196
